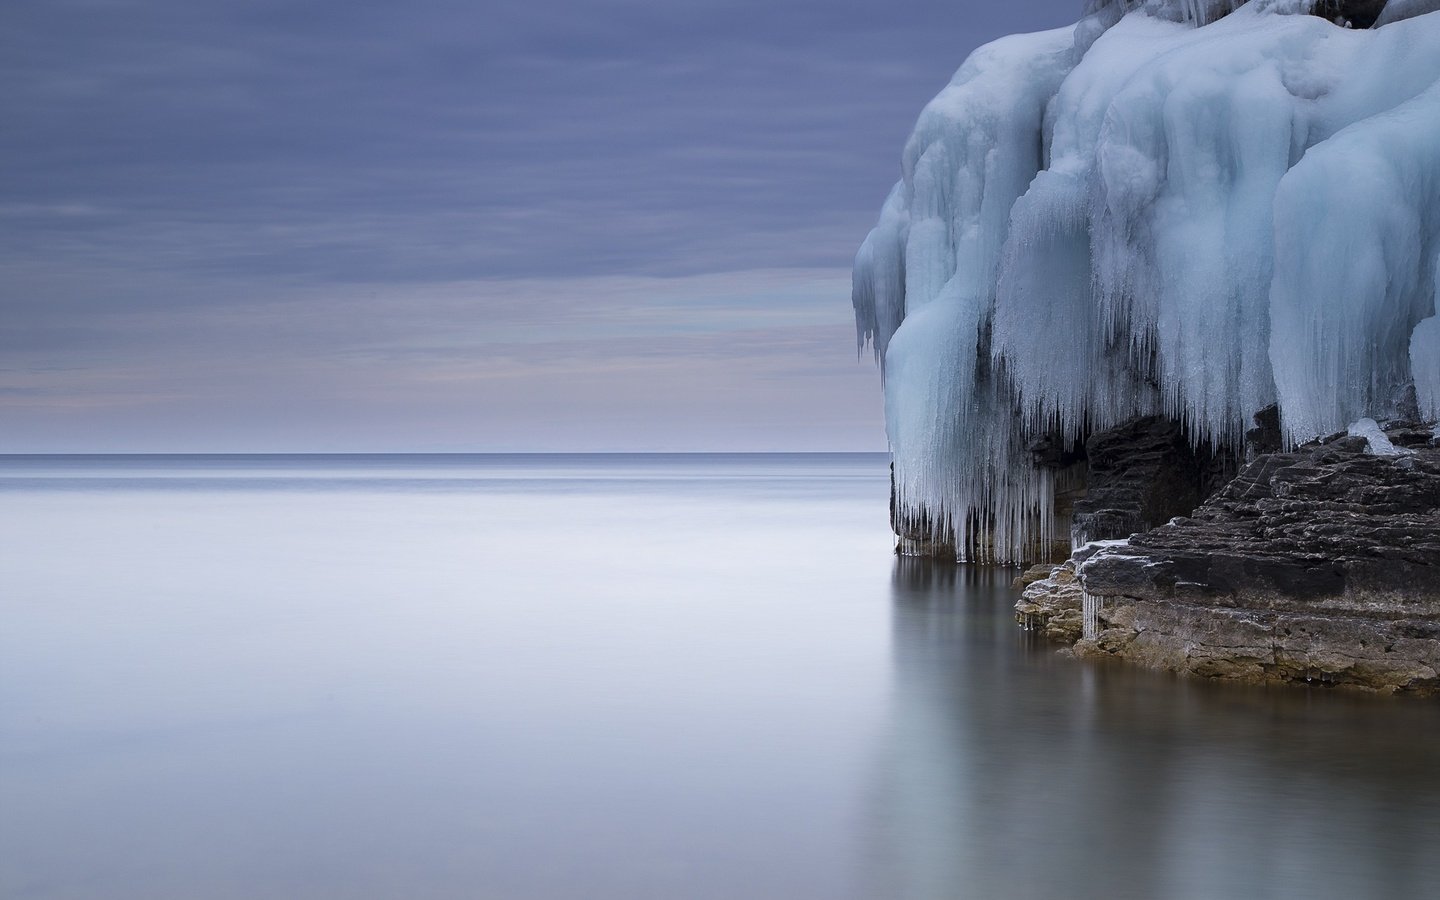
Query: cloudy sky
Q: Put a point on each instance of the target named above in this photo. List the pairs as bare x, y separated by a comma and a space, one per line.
323, 225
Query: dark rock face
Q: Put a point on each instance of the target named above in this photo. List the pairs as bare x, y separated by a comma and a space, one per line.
1318, 564
1350, 13
1265, 436
1118, 482
1141, 474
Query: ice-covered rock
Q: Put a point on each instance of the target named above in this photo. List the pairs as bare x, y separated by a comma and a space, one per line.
1190, 208
1377, 443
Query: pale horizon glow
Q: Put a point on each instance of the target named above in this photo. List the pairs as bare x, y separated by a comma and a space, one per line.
350, 227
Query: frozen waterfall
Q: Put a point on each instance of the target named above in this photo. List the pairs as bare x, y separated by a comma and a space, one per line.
1195, 208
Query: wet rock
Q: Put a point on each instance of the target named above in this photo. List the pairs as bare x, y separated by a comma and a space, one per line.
1053, 604
1032, 575
1320, 565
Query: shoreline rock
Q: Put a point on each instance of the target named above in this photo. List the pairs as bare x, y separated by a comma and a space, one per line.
1319, 565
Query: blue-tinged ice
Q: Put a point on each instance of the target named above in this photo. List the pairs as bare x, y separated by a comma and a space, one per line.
1377, 442
1190, 207
1425, 358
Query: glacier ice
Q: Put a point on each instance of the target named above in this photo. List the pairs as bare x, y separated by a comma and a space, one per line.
1190, 207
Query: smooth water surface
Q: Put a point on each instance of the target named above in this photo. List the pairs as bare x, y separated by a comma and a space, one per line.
620, 677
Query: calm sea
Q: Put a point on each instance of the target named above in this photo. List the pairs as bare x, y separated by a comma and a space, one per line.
629, 677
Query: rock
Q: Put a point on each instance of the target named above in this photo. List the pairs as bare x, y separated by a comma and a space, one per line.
1350, 13
1141, 474
1265, 437
1053, 604
1318, 565
1032, 575
1118, 481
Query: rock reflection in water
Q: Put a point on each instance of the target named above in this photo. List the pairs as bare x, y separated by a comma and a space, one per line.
1012, 771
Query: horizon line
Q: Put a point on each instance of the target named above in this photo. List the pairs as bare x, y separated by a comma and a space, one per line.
14, 454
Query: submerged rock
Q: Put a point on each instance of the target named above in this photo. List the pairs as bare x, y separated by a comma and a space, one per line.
1320, 565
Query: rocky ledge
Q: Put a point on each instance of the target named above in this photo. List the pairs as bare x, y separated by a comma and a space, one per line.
1319, 565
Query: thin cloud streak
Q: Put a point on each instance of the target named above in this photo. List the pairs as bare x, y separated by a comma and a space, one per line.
471, 366
283, 185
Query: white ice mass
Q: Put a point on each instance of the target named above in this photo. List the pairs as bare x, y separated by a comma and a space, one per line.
1377, 442
1194, 208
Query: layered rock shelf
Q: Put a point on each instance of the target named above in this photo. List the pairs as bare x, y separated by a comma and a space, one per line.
1320, 565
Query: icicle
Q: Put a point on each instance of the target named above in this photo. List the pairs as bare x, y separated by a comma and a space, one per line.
1142, 216
1425, 355
1090, 606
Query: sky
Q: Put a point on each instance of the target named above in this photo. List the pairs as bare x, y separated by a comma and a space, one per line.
449, 225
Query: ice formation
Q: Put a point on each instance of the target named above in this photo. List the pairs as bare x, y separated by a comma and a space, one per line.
1190, 207
1377, 443
1425, 358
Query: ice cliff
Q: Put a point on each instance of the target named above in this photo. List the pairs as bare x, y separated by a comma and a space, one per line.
1174, 208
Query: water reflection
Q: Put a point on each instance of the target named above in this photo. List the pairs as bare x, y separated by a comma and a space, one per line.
1012, 771
618, 678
